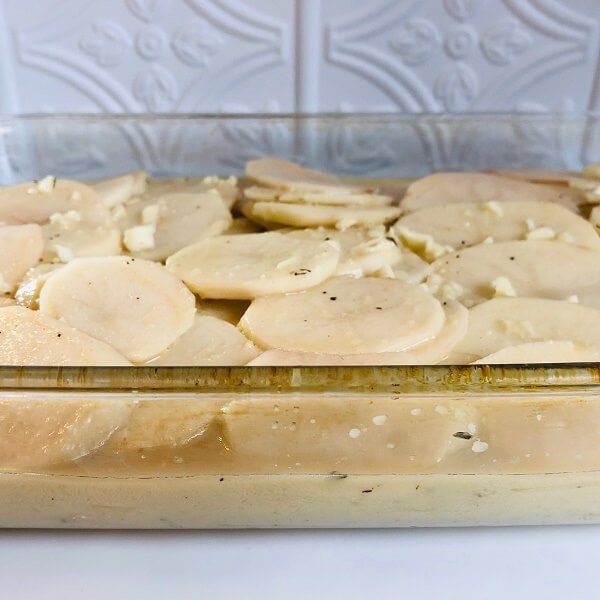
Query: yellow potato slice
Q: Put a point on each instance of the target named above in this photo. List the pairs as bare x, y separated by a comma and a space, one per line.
541, 352
209, 342
29, 289
20, 249
331, 198
136, 306
118, 190
341, 217
362, 251
244, 267
466, 224
445, 188
543, 269
345, 315
227, 187
64, 242
32, 338
507, 322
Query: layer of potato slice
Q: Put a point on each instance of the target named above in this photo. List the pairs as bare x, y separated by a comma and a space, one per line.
244, 267
226, 310
430, 352
118, 190
227, 187
544, 176
331, 198
209, 342
411, 268
345, 315
341, 217
467, 224
20, 249
362, 251
280, 173
32, 338
179, 220
31, 285
242, 225
541, 352
445, 188
134, 305
543, 269
64, 242
507, 322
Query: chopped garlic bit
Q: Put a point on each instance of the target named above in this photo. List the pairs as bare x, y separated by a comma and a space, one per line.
46, 185
503, 288
565, 237
354, 433
379, 419
66, 220
139, 238
494, 208
452, 291
423, 244
573, 298
488, 240
471, 428
63, 253
150, 214
541, 233
479, 446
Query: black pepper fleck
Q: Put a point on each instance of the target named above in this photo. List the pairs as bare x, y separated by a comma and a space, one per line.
463, 435
512, 258
379, 308
222, 479
58, 334
367, 491
333, 298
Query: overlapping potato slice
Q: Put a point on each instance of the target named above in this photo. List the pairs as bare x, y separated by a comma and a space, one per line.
244, 267
466, 224
32, 338
411, 268
507, 322
332, 198
134, 305
209, 342
362, 251
118, 190
445, 188
541, 352
543, 269
227, 187
345, 315
242, 225
544, 176
429, 352
226, 310
154, 231
20, 248
341, 217
279, 173
36, 202
31, 285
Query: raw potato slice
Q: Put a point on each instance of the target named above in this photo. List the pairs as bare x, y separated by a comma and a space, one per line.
29, 289
244, 267
183, 219
118, 190
342, 217
226, 310
545, 176
20, 248
209, 342
445, 188
467, 224
505, 322
63, 242
541, 352
35, 203
411, 268
430, 352
241, 225
227, 187
345, 315
363, 251
37, 433
30, 338
333, 198
279, 173
543, 269
136, 306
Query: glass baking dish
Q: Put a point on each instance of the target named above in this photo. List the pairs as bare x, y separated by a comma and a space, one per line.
142, 447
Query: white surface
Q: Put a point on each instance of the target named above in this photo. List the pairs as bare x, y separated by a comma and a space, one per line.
305, 55
453, 564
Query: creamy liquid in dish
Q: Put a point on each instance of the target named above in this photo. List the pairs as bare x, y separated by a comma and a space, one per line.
455, 268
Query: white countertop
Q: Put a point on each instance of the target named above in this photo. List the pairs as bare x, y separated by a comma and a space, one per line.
417, 564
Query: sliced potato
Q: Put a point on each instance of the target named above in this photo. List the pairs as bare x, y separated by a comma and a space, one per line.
445, 188
466, 224
7, 301
545, 176
507, 322
32, 338
411, 268
362, 251
20, 249
227, 187
29, 289
543, 269
541, 352
209, 342
345, 315
241, 225
341, 217
331, 198
64, 243
244, 267
118, 190
226, 310
136, 306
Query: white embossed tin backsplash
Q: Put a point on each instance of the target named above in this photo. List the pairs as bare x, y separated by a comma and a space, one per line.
305, 55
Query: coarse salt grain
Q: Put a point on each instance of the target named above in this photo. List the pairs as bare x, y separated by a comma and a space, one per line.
379, 419
354, 433
479, 446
